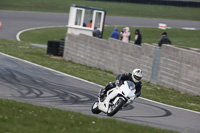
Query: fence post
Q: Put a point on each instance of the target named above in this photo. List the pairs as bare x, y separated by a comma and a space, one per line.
0, 24
155, 67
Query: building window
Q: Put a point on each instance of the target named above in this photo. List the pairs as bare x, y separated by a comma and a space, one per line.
88, 18
79, 14
98, 20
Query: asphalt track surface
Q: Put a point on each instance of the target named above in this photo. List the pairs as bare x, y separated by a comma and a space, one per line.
27, 82
15, 21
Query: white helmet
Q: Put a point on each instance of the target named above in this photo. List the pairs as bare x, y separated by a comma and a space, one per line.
137, 75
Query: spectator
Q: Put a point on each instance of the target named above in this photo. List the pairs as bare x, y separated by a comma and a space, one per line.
125, 35
84, 25
129, 38
138, 37
164, 39
121, 34
96, 32
90, 24
115, 34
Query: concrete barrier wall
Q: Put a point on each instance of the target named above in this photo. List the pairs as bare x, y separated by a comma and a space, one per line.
112, 55
178, 68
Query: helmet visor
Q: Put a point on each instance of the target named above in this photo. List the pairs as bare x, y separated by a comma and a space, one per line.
137, 78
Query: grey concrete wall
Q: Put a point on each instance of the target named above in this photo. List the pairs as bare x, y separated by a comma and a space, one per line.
178, 68
112, 55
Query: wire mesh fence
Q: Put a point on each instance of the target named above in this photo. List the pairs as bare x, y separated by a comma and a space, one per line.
183, 3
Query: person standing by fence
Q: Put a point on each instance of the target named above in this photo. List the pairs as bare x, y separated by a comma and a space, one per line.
96, 33
164, 39
138, 37
115, 34
125, 35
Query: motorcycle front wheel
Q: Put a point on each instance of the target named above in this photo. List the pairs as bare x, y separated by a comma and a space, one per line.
113, 109
95, 108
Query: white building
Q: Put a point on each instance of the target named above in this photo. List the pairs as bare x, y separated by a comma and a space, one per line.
80, 18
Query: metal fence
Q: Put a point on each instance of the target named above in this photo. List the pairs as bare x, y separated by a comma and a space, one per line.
183, 3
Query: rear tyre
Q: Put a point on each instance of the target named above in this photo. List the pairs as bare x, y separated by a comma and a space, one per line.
113, 109
95, 109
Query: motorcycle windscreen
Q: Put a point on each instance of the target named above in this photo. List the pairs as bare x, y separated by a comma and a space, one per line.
130, 89
131, 85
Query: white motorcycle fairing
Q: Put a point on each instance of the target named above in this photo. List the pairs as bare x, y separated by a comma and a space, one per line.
126, 92
103, 106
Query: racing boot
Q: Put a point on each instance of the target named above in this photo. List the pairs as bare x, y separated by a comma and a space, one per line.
101, 93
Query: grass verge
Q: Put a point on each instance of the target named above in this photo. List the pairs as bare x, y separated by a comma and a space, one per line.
16, 117
113, 8
179, 37
153, 92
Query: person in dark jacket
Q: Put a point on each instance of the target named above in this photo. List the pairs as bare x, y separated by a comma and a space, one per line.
90, 24
164, 39
115, 34
135, 77
96, 32
138, 37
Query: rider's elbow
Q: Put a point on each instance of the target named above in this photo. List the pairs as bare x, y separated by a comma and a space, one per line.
137, 94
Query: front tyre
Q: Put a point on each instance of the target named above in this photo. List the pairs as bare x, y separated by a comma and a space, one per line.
113, 109
95, 109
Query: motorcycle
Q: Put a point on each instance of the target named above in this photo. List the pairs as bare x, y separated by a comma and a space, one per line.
115, 99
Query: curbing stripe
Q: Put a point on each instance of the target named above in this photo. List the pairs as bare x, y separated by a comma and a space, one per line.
20, 32
91, 82
169, 105
188, 28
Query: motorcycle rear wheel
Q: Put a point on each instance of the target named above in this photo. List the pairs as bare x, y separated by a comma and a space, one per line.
95, 109
113, 109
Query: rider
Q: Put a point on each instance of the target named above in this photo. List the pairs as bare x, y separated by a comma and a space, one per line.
135, 77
